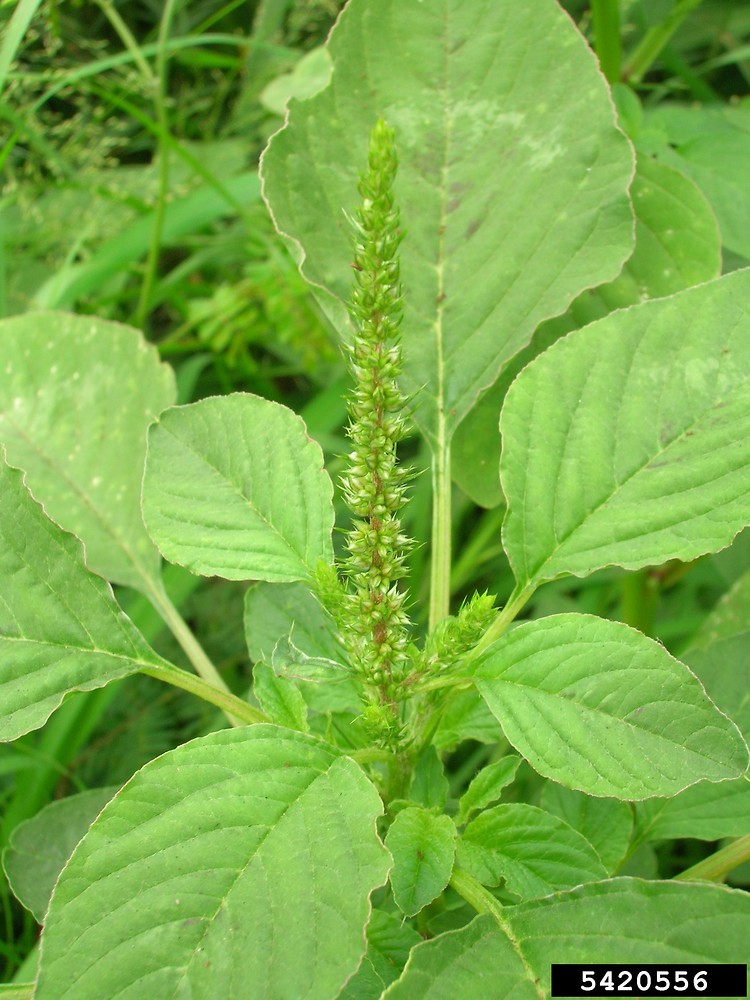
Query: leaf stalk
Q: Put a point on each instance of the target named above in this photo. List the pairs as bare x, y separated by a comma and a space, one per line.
440, 566
716, 867
205, 669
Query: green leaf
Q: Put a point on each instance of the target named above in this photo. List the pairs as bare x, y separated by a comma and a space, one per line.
706, 812
40, 847
533, 852
629, 921
487, 786
606, 823
677, 243
279, 698
642, 862
76, 398
711, 145
475, 461
60, 628
710, 811
214, 864
389, 942
234, 487
628, 442
504, 91
423, 846
309, 75
597, 706
676, 246
276, 611
729, 617
618, 921
722, 669
475, 961
429, 785
286, 626
466, 717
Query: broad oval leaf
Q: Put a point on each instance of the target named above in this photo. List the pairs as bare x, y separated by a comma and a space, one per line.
607, 824
597, 706
476, 961
39, 847
234, 487
704, 812
246, 857
722, 669
279, 611
530, 850
676, 245
423, 846
711, 144
627, 920
429, 785
487, 786
466, 717
76, 397
628, 442
729, 617
389, 942
512, 184
60, 627
621, 920
279, 698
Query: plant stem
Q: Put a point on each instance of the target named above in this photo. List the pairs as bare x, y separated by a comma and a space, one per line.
156, 80
606, 15
239, 712
15, 29
483, 901
195, 653
127, 39
17, 991
515, 602
646, 53
718, 865
399, 773
160, 105
477, 896
440, 566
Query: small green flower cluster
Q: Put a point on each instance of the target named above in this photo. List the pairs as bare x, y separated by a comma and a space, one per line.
456, 635
374, 485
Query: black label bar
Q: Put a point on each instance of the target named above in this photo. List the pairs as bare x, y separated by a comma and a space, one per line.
688, 981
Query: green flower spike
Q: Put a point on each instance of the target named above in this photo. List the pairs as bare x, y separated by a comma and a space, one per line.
374, 486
